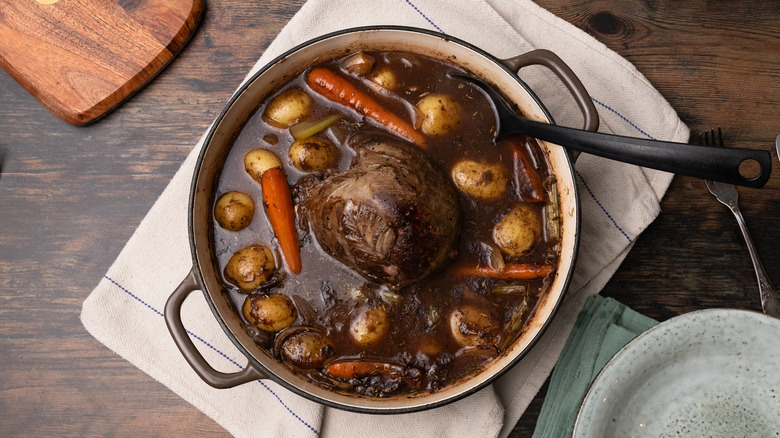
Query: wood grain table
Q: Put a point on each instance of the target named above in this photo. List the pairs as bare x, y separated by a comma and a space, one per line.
70, 197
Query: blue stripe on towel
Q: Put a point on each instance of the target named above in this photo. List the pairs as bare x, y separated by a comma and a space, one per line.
623, 118
423, 15
601, 206
135, 297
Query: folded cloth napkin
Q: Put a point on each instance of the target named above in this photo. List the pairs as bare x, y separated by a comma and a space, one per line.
602, 328
618, 202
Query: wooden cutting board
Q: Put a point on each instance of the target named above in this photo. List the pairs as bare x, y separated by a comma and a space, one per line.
82, 58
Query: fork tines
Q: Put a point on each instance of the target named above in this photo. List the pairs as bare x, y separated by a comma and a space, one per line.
707, 138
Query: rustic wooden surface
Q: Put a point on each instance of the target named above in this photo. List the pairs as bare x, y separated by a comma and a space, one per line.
70, 197
82, 58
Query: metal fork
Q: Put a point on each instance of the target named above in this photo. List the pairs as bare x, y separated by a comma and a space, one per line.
727, 195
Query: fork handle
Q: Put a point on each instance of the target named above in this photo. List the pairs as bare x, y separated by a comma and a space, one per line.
706, 162
770, 297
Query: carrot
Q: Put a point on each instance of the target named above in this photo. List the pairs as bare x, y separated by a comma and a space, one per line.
528, 182
512, 271
356, 368
266, 168
279, 208
338, 89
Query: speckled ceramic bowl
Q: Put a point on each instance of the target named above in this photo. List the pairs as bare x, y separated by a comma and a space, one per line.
713, 373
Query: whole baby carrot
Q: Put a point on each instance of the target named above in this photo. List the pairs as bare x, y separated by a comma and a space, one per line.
511, 271
357, 368
528, 182
338, 89
266, 168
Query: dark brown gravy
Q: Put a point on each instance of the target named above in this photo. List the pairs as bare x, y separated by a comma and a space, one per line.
419, 332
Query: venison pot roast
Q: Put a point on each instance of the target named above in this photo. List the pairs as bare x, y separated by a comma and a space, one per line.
393, 217
359, 234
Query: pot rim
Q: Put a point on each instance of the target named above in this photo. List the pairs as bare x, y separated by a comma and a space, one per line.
496, 373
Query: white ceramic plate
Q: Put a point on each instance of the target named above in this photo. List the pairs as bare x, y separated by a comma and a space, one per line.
713, 373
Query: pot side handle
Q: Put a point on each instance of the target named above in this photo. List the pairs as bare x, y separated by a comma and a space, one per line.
215, 378
550, 60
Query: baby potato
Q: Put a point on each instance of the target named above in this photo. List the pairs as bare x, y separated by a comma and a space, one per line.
271, 313
307, 349
479, 180
384, 77
313, 153
287, 108
518, 231
250, 267
234, 211
257, 161
370, 326
472, 326
441, 113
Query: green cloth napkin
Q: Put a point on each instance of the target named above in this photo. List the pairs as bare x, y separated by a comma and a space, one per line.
602, 328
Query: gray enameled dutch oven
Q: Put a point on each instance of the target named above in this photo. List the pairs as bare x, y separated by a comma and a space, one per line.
205, 274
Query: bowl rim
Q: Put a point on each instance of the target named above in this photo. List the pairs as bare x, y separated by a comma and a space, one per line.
711, 319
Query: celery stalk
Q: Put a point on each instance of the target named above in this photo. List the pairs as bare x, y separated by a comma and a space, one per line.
307, 129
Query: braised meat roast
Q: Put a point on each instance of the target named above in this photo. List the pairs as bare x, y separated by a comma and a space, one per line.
392, 217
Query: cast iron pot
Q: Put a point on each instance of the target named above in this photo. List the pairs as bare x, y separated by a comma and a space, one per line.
205, 274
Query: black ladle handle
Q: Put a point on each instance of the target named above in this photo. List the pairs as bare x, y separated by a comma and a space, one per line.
707, 162
713, 163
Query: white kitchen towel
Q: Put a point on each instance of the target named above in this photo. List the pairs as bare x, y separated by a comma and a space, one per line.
618, 202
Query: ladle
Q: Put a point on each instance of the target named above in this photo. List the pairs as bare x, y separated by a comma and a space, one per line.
713, 163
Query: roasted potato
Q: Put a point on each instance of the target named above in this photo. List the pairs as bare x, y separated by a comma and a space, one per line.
480, 180
306, 349
234, 211
287, 108
518, 231
472, 326
441, 114
257, 161
384, 77
313, 153
250, 267
369, 326
271, 313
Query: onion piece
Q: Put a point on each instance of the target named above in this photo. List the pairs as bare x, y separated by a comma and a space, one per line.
515, 323
387, 296
293, 330
305, 311
358, 64
306, 129
418, 117
261, 337
491, 256
433, 316
356, 293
